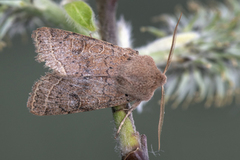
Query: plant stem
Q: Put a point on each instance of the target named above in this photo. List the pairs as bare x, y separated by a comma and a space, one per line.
132, 145
107, 20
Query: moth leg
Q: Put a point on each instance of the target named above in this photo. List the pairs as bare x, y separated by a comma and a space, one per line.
134, 106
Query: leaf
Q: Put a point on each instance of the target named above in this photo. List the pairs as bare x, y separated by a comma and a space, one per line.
82, 14
170, 87
200, 82
181, 92
210, 91
5, 26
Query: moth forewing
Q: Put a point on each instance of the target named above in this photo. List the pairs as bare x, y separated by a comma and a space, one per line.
72, 54
55, 95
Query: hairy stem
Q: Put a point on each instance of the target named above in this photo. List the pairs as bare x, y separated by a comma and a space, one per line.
107, 20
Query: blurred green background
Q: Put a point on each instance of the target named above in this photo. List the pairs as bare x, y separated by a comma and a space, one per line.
196, 133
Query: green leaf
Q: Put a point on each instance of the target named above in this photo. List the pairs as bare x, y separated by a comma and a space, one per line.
200, 82
5, 26
170, 87
181, 92
82, 14
153, 30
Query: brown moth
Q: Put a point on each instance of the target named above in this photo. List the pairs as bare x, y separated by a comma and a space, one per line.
90, 74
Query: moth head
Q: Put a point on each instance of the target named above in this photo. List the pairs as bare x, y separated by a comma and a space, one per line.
140, 77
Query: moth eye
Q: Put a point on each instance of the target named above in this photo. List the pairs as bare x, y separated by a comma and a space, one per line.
110, 68
126, 95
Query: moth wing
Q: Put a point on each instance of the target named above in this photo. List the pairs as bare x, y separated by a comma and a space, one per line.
54, 94
70, 53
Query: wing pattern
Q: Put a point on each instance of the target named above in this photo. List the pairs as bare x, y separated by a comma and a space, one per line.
70, 53
54, 95
83, 73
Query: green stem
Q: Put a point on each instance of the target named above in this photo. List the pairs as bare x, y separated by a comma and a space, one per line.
133, 146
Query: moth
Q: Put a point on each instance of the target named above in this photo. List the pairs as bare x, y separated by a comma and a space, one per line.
89, 74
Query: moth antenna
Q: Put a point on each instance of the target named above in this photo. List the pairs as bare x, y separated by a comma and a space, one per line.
160, 123
172, 47
162, 105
